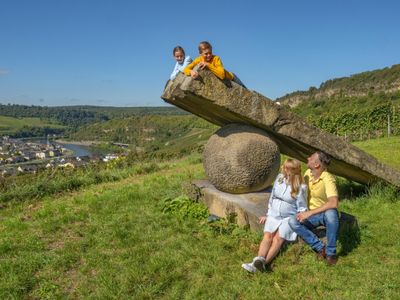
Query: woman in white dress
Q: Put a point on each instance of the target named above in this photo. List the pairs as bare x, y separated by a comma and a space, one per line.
288, 197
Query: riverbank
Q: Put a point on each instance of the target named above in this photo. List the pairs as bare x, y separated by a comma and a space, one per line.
78, 143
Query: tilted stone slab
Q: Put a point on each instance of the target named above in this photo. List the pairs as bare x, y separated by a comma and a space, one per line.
224, 102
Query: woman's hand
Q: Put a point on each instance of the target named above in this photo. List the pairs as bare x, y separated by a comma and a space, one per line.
302, 216
262, 220
194, 74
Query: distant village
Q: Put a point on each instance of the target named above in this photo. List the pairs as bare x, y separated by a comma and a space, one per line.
18, 156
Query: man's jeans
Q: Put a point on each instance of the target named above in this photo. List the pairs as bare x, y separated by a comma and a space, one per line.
329, 219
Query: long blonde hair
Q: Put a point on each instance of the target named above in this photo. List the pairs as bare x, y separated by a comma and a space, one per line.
291, 169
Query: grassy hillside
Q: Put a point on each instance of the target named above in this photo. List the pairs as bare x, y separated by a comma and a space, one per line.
162, 135
385, 149
122, 112
10, 125
87, 112
380, 81
192, 141
358, 107
75, 117
357, 118
123, 239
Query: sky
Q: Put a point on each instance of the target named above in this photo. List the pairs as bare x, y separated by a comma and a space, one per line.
119, 53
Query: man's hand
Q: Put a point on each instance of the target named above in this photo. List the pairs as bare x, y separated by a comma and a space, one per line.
262, 220
332, 203
194, 74
203, 65
303, 216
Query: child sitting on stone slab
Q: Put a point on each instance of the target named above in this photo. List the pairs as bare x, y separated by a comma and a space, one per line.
212, 62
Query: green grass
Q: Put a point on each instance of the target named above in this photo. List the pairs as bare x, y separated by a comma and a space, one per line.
194, 140
9, 125
387, 150
57, 181
123, 240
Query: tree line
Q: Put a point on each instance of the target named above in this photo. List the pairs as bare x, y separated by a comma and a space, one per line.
72, 117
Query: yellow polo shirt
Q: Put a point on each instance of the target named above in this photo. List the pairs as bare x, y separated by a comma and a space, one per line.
320, 190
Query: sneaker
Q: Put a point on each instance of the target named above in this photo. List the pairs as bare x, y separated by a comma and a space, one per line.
249, 267
259, 263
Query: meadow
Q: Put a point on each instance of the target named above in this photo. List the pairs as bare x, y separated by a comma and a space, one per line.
386, 149
134, 235
11, 125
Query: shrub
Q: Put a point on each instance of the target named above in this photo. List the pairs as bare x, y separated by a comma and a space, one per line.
184, 207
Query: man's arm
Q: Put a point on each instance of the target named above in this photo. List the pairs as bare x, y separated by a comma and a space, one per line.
331, 203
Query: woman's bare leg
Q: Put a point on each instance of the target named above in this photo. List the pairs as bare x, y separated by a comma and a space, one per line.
266, 243
276, 245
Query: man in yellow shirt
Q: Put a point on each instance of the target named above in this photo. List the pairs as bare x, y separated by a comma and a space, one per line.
323, 201
211, 62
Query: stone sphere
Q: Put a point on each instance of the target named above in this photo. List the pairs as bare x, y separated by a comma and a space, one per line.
241, 159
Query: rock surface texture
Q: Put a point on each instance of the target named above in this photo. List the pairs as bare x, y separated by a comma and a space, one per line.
224, 102
246, 208
241, 159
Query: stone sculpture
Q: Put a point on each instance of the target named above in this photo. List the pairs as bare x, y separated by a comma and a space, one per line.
224, 102
241, 159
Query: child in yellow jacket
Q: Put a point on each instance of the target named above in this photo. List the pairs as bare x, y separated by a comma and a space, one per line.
212, 62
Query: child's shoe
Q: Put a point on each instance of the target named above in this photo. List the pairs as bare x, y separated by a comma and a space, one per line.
259, 263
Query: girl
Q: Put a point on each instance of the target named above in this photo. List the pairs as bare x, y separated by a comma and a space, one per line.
181, 61
288, 197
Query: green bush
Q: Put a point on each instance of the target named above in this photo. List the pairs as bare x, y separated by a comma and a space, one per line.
183, 207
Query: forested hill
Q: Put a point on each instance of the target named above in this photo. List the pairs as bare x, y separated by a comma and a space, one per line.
172, 134
386, 81
76, 116
361, 106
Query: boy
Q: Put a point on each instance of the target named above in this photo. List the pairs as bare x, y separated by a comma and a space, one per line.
212, 62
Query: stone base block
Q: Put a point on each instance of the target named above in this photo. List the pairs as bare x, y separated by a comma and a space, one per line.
246, 207
249, 207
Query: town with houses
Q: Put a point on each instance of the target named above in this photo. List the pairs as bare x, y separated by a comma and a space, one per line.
18, 156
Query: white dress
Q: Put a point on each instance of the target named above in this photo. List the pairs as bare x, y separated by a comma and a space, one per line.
282, 206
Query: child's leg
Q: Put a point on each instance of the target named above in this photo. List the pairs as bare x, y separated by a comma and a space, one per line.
277, 243
238, 81
265, 244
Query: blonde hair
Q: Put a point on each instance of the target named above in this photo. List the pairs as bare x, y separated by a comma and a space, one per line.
291, 169
204, 45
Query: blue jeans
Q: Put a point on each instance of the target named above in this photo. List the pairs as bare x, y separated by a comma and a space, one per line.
238, 81
329, 219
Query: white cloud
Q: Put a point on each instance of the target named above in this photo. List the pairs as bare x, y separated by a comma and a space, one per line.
4, 72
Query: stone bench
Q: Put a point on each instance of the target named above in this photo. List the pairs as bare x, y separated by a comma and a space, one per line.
248, 207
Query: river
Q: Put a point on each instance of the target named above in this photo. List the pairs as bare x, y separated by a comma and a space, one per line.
77, 150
